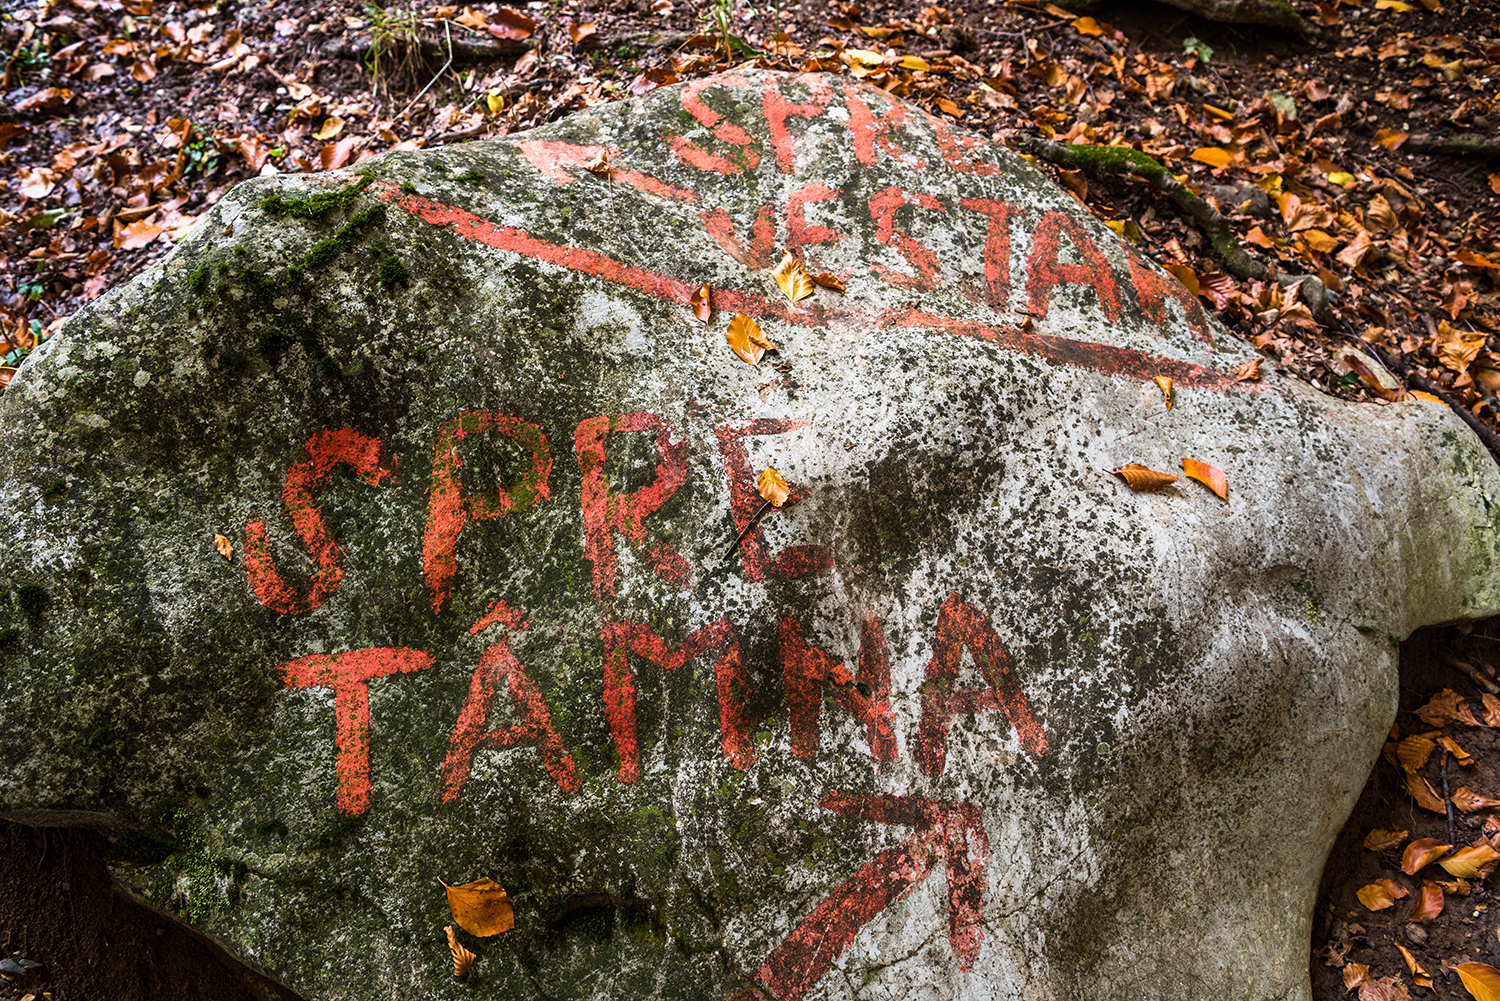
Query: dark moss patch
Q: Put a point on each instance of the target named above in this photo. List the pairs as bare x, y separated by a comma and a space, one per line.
32, 599
472, 176
327, 250
393, 272
315, 206
8, 635
199, 278
54, 488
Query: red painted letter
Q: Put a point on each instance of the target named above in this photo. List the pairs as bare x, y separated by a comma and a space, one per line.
883, 206
807, 670
794, 561
1153, 289
349, 675
448, 510
606, 514
697, 156
325, 451
869, 131
624, 638
996, 250
798, 233
1046, 271
778, 109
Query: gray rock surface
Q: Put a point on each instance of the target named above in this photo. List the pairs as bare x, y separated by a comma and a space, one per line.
966, 719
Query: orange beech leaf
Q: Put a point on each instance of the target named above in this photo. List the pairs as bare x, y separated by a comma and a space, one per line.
1480, 979
599, 165
463, 959
772, 486
947, 107
1391, 139
1491, 710
1429, 904
1413, 752
1354, 975
1457, 888
1213, 156
1381, 840
702, 302
136, 235
1459, 754
1468, 801
1138, 477
511, 24
1088, 26
1384, 989
1456, 348
1381, 894
224, 546
828, 280
1420, 853
1466, 863
792, 279
1250, 371
746, 340
1421, 790
1165, 385
481, 907
582, 34
1184, 274
1418, 975
1445, 707
1210, 476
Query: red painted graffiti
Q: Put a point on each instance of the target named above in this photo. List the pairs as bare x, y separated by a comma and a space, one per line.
996, 250
883, 207
1047, 271
798, 233
606, 515
325, 452
349, 675
551, 157
962, 625
499, 667
731, 680
449, 509
809, 670
778, 109
744, 502
725, 131
957, 149
1153, 289
948, 833
869, 131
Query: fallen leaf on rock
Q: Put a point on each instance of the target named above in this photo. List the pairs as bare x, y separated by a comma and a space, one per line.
1420, 853
224, 546
1381, 894
1250, 371
1421, 791
1418, 975
1429, 904
1480, 979
599, 165
1165, 385
1210, 476
1381, 840
481, 907
792, 279
702, 302
772, 486
1140, 478
746, 340
828, 280
1445, 707
1413, 752
1459, 754
463, 959
1466, 863
1384, 989
1491, 710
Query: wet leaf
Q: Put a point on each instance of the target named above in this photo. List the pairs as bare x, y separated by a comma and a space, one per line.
481, 907
1459, 754
1165, 385
1418, 975
828, 280
1210, 476
1213, 156
1250, 371
746, 340
772, 487
1381, 894
1466, 863
1491, 705
1445, 707
1381, 840
224, 546
511, 24
1420, 853
1354, 975
463, 959
1413, 752
1469, 801
1421, 790
1140, 478
1481, 980
792, 279
702, 302
1429, 902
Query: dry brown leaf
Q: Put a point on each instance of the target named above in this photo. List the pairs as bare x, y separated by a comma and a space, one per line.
1421, 791
1210, 476
1381, 894
829, 280
1480, 979
1420, 853
463, 959
792, 279
224, 546
1459, 754
1467, 863
1413, 753
702, 302
1250, 371
1354, 975
136, 235
746, 340
1384, 989
511, 24
1457, 888
1138, 477
1381, 840
1456, 348
1418, 975
1491, 710
1445, 707
1165, 385
1390, 138
773, 487
1429, 904
481, 907
599, 165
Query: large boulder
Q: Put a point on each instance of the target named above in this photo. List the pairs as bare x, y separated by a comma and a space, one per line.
965, 718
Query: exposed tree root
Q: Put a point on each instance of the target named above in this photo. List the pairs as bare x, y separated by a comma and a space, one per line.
1465, 144
1417, 380
1266, 13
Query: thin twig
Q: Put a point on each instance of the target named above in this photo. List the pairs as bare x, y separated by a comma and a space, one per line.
1447, 800
448, 37
748, 525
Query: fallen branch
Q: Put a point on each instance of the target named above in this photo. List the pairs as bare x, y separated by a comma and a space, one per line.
1265, 13
1465, 144
1417, 380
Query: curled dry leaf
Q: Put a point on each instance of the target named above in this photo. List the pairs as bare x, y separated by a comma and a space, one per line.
1138, 477
1210, 476
1418, 975
1457, 888
1468, 801
463, 959
1420, 853
1421, 790
702, 302
1381, 840
828, 280
224, 546
1413, 753
1491, 710
1384, 989
1250, 371
1165, 385
1480, 979
1429, 904
481, 907
773, 487
1468, 863
599, 165
1459, 754
792, 279
746, 340
1354, 975
1445, 707
1381, 894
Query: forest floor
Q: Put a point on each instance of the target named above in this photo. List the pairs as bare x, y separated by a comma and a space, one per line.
1355, 157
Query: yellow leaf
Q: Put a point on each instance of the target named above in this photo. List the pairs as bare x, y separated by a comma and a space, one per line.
1420, 853
1481, 980
746, 340
1413, 752
1319, 240
1140, 478
702, 302
1380, 840
1210, 476
495, 101
481, 907
332, 126
1219, 113
463, 959
913, 63
1466, 862
1459, 754
1165, 385
1390, 138
1381, 894
1088, 26
1429, 398
1184, 274
224, 546
1341, 178
865, 57
773, 487
1213, 156
1395, 5
792, 279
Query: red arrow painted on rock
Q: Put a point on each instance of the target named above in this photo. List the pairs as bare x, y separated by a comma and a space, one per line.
950, 833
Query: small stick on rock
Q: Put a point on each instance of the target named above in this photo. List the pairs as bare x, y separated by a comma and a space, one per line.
748, 525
